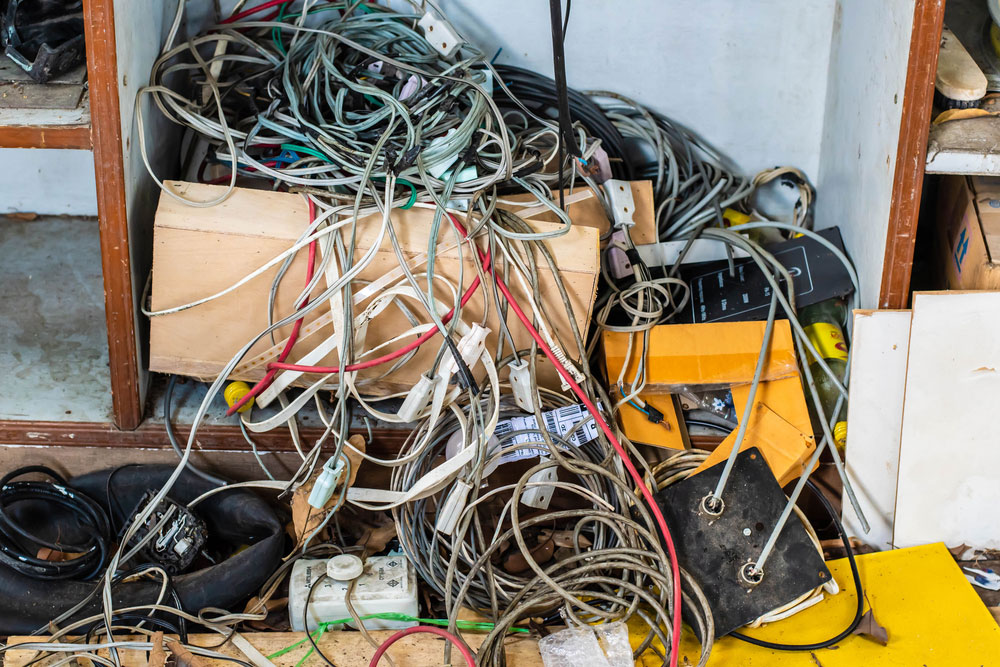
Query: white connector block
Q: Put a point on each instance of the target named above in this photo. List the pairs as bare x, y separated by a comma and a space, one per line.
539, 494
387, 584
470, 347
418, 398
451, 511
440, 35
327, 481
520, 383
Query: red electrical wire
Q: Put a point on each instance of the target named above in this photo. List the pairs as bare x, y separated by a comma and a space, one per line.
280, 365
647, 495
293, 337
598, 419
254, 10
441, 632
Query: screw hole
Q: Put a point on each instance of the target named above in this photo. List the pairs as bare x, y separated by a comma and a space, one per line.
751, 575
712, 505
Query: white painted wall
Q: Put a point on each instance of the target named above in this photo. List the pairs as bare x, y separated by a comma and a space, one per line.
867, 79
750, 77
813, 83
55, 182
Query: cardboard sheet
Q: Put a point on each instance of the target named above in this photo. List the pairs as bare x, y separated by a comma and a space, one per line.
718, 353
779, 426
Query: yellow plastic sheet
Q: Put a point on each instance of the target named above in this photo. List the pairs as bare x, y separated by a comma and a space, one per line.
932, 614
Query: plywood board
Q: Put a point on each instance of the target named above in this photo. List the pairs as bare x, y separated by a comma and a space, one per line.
200, 251
874, 418
948, 485
344, 649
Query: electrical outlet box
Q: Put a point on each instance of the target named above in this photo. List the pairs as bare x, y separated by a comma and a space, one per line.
440, 35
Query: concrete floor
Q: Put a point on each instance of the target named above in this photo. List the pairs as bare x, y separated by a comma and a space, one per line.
53, 337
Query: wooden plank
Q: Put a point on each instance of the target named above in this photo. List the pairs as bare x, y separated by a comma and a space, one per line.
968, 147
53, 115
36, 136
879, 348
153, 435
386, 442
911, 154
344, 649
120, 311
948, 483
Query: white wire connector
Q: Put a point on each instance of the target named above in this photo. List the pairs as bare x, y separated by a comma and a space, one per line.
326, 482
451, 511
440, 34
418, 398
622, 203
470, 347
520, 383
540, 494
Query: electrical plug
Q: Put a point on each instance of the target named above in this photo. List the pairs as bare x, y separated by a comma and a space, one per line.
520, 383
418, 398
327, 481
540, 496
440, 34
451, 511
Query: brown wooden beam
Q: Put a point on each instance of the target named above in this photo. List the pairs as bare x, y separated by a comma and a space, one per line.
385, 442
119, 304
911, 155
46, 136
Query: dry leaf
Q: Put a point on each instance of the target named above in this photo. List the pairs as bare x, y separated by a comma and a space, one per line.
564, 538
306, 518
184, 657
25, 217
869, 627
959, 550
377, 538
157, 656
961, 114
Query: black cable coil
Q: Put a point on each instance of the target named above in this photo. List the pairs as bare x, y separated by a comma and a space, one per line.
19, 547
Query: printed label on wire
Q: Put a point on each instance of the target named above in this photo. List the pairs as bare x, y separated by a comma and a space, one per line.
559, 422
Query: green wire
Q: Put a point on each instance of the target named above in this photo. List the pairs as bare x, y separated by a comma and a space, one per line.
276, 31
305, 149
413, 191
387, 616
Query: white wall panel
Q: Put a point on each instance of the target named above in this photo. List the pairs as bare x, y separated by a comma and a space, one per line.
54, 182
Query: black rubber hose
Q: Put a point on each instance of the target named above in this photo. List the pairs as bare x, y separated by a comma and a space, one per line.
235, 518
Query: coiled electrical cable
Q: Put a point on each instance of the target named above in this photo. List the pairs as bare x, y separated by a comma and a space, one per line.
19, 548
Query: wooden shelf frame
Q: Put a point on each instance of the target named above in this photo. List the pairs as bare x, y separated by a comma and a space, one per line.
105, 135
46, 136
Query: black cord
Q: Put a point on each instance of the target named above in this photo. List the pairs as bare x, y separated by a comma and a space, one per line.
167, 396
169, 583
534, 90
857, 587
566, 143
305, 620
19, 548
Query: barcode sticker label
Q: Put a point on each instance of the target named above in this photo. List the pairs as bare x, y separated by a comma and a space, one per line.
558, 422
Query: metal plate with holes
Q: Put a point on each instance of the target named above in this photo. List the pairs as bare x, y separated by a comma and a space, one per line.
713, 549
